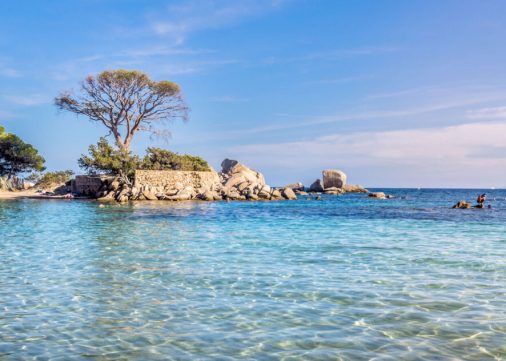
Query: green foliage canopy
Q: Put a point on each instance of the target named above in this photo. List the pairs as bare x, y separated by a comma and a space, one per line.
161, 159
17, 156
49, 179
103, 158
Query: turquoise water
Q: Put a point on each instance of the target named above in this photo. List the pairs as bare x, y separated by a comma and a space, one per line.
346, 278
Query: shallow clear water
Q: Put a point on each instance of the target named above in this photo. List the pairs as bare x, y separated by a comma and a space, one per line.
343, 278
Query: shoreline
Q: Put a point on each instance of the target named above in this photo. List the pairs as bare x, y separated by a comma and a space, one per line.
32, 194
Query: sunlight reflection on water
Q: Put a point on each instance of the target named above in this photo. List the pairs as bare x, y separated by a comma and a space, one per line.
347, 277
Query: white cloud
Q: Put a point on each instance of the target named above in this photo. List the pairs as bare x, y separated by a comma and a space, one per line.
462, 155
187, 17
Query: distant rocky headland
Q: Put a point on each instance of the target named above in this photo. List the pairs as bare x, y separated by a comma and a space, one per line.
235, 181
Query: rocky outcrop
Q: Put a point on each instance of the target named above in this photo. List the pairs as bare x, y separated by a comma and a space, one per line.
316, 186
333, 178
240, 182
235, 182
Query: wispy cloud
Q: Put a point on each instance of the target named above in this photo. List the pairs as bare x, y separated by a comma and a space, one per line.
8, 71
331, 54
487, 113
28, 99
184, 18
182, 61
393, 113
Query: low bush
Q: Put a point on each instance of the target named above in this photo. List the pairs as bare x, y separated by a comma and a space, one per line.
161, 159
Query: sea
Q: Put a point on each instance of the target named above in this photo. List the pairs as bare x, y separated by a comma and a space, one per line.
343, 278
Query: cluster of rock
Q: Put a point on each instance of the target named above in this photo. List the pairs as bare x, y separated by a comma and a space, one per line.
235, 181
334, 182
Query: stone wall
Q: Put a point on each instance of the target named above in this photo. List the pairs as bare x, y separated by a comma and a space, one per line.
173, 179
87, 184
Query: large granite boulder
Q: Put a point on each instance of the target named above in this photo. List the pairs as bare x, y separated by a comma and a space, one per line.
240, 182
316, 187
232, 168
333, 178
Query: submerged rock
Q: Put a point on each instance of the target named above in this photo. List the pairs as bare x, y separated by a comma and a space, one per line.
462, 205
379, 195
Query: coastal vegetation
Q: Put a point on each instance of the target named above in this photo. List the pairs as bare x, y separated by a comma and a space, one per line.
51, 179
162, 159
104, 158
17, 157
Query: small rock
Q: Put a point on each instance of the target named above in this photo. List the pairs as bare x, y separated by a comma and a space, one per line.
462, 205
379, 195
295, 186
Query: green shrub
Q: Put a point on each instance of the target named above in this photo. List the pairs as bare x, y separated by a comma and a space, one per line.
103, 158
50, 179
161, 159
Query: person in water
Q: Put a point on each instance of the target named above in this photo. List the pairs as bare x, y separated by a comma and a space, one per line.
481, 200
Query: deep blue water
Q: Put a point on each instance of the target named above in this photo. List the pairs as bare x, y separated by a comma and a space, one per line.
346, 278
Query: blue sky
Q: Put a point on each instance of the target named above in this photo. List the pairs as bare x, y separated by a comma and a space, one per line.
395, 93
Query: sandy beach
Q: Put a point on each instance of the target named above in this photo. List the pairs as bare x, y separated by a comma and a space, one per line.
18, 194
31, 193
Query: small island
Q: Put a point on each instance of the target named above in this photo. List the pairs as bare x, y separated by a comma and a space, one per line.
125, 103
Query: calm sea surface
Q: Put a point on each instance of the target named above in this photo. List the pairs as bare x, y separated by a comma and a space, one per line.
346, 278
